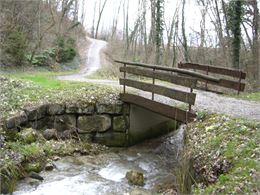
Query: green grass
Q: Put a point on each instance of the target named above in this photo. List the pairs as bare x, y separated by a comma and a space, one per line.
217, 139
23, 88
250, 96
46, 79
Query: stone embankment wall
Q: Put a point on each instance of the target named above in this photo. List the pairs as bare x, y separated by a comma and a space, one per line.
103, 123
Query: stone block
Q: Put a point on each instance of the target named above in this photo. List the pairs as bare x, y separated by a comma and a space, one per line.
110, 108
120, 123
60, 123
55, 109
96, 123
36, 113
80, 109
64, 122
19, 119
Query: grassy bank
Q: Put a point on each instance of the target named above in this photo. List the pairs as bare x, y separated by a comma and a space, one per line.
22, 89
27, 150
226, 154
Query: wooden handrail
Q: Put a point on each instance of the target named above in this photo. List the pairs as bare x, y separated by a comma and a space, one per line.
214, 69
182, 96
177, 70
163, 76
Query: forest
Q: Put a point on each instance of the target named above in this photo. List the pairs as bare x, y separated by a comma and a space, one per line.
34, 33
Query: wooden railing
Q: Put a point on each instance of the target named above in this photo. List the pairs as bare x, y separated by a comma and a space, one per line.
227, 83
163, 74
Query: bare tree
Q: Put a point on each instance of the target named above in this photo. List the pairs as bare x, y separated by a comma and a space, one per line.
184, 42
101, 9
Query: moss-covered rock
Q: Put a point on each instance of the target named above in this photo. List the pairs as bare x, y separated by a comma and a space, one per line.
135, 178
28, 136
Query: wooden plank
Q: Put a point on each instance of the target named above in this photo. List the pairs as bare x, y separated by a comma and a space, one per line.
176, 79
214, 69
232, 84
228, 84
177, 70
161, 90
163, 109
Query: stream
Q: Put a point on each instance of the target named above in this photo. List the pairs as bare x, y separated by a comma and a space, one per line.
105, 173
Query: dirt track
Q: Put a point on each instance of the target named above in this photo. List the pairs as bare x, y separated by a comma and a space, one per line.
205, 101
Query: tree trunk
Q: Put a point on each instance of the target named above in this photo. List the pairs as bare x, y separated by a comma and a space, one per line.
185, 46
99, 16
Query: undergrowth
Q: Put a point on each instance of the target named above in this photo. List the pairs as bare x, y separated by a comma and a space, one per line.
226, 153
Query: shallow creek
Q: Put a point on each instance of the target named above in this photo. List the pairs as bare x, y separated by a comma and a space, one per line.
105, 173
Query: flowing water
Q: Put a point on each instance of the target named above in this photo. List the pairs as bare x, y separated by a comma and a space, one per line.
105, 173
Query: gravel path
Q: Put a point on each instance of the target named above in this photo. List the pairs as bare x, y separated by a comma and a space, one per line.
205, 101
92, 63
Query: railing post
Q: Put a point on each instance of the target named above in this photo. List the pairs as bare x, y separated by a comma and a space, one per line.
239, 82
153, 83
191, 90
207, 72
124, 76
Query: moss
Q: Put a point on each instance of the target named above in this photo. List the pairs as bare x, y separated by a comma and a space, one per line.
10, 172
27, 136
31, 152
226, 153
33, 167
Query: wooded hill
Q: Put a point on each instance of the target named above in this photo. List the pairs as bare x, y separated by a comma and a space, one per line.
42, 33
228, 34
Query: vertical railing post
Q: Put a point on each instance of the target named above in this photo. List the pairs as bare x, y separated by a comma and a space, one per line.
124, 76
207, 72
239, 82
191, 90
153, 83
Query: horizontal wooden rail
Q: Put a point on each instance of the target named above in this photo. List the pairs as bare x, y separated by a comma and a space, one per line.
161, 90
214, 69
164, 76
177, 70
229, 84
160, 108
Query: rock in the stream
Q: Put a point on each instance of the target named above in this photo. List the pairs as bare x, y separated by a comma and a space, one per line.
49, 167
135, 178
50, 134
35, 176
56, 158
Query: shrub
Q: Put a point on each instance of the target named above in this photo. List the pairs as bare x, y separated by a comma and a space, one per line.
65, 49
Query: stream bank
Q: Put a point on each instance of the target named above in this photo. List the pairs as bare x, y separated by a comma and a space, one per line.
105, 172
